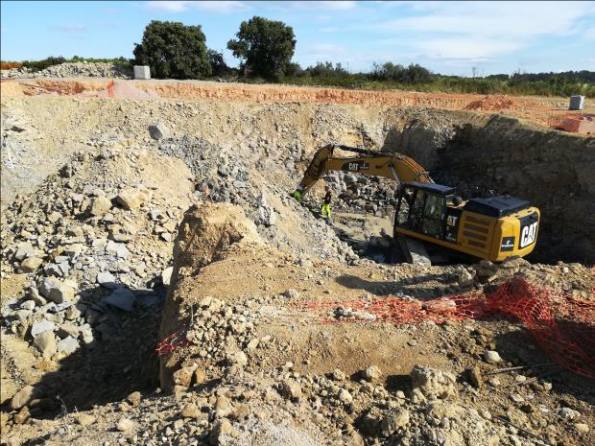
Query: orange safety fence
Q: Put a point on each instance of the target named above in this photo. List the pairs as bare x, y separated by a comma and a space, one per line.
172, 342
562, 326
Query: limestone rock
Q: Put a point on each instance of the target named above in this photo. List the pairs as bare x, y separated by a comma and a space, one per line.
100, 206
183, 377
394, 420
432, 383
46, 343
42, 326
158, 131
62, 294
125, 425
68, 345
22, 397
166, 275
290, 389
130, 199
134, 398
121, 298
222, 433
372, 373
190, 410
31, 264
84, 419
107, 280
492, 357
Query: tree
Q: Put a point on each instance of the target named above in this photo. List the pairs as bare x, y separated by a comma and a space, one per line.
218, 65
266, 47
326, 69
173, 50
417, 74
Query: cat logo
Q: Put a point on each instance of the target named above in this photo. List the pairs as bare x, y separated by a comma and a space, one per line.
452, 220
357, 166
528, 235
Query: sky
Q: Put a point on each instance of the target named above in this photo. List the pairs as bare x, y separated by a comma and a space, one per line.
446, 37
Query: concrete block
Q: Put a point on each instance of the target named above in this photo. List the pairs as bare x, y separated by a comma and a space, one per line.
142, 72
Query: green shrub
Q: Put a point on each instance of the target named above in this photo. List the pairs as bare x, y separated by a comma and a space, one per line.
174, 51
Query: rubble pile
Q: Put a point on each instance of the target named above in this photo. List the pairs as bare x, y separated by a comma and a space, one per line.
93, 241
67, 70
230, 178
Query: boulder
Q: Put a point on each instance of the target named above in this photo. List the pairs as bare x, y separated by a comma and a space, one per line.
100, 206
432, 383
121, 298
31, 264
130, 199
290, 389
46, 343
158, 131
22, 397
393, 420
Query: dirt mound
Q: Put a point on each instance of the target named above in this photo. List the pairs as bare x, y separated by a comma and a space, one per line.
493, 103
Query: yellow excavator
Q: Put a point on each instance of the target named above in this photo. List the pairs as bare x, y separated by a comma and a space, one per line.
494, 228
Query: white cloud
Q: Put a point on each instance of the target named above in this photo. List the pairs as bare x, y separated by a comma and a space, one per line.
496, 19
222, 7
334, 5
69, 28
480, 31
327, 48
466, 49
330, 52
310, 5
110, 25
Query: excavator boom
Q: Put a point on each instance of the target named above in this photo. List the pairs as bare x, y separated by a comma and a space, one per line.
397, 167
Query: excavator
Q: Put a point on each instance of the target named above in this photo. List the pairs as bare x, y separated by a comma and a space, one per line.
491, 228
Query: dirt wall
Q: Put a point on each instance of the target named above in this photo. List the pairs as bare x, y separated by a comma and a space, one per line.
538, 110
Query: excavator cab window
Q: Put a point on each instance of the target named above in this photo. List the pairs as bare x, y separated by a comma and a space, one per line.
434, 215
422, 211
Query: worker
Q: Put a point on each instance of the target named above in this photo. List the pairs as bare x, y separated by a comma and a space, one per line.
326, 205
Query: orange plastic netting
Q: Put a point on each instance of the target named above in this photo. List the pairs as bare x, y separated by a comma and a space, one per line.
562, 326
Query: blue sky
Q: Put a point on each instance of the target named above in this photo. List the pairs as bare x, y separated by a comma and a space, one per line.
447, 37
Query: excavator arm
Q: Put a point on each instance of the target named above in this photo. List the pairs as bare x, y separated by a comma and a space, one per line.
397, 167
